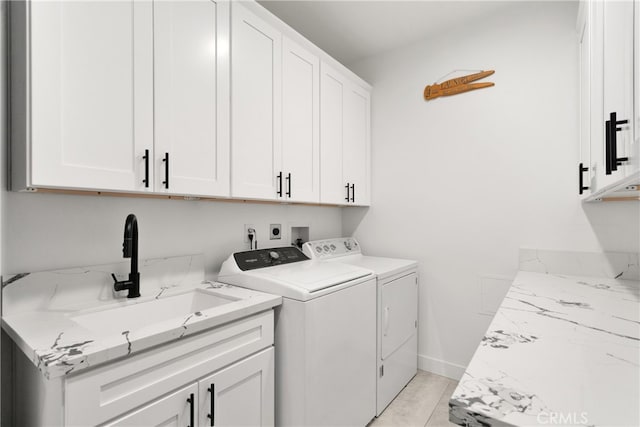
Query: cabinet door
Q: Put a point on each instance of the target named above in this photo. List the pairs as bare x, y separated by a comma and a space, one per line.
584, 52
172, 410
91, 93
332, 92
191, 77
300, 128
618, 76
256, 70
356, 144
240, 395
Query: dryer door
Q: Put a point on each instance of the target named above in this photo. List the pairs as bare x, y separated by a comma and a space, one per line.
399, 313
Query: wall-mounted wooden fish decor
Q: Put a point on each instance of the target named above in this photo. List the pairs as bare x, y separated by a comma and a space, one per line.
457, 85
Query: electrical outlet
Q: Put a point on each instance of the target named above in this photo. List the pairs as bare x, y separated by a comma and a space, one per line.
245, 237
275, 231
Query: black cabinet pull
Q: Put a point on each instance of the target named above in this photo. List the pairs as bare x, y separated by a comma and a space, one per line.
166, 170
288, 193
212, 390
348, 188
279, 178
192, 417
353, 193
614, 160
581, 186
607, 147
146, 168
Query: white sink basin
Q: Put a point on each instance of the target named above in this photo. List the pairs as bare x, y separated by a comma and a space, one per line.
137, 316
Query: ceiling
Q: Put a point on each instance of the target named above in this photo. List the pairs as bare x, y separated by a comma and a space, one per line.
352, 30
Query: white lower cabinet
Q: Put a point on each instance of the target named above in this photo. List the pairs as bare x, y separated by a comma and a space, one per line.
240, 395
224, 375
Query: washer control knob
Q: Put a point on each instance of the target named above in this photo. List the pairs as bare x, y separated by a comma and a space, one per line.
326, 248
333, 248
274, 255
347, 244
319, 249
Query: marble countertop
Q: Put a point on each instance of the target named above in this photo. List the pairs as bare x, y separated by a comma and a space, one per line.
561, 350
39, 309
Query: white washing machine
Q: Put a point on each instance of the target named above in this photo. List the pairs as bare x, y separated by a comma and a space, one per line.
397, 312
325, 334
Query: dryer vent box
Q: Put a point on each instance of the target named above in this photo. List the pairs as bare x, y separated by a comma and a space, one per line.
299, 236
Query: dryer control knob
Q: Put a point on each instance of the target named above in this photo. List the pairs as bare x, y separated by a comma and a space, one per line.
274, 255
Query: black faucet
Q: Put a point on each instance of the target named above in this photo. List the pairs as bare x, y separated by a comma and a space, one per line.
130, 250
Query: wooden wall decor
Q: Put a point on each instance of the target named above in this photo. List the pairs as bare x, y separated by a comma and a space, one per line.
457, 85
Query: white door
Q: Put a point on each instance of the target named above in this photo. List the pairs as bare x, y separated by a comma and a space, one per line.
240, 395
300, 128
175, 410
256, 73
399, 313
333, 86
191, 77
618, 78
91, 93
356, 144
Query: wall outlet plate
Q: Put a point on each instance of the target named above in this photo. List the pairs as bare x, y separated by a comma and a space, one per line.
275, 231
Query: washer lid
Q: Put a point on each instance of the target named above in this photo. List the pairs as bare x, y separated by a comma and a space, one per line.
288, 275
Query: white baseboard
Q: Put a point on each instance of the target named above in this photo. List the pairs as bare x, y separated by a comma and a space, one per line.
441, 367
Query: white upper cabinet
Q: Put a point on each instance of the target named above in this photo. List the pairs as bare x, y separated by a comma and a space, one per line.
618, 86
191, 77
333, 85
91, 112
608, 147
345, 140
300, 123
256, 69
356, 145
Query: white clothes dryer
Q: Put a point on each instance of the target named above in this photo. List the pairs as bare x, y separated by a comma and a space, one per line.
397, 312
325, 334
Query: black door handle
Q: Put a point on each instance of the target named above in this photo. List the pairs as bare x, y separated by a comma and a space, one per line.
288, 193
353, 193
614, 160
348, 188
192, 417
212, 390
279, 178
146, 168
166, 170
581, 186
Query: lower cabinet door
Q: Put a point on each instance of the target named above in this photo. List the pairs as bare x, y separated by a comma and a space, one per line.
176, 409
241, 394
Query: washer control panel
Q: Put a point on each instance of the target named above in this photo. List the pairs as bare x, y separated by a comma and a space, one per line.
323, 249
261, 258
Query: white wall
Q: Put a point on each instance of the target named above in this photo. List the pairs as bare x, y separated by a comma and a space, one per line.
52, 231
460, 183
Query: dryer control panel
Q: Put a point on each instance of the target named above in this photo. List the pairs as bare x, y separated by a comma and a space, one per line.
323, 249
261, 258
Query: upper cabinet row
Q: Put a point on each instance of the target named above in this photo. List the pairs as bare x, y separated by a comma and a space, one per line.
608, 34
191, 98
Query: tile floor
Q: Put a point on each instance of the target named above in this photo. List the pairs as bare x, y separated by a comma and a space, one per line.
424, 402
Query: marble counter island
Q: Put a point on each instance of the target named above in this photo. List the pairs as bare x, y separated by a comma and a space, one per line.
40, 311
561, 350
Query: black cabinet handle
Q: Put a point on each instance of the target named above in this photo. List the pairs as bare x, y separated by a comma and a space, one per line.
146, 168
614, 160
166, 170
191, 401
581, 186
607, 147
288, 193
348, 188
279, 178
353, 193
212, 390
